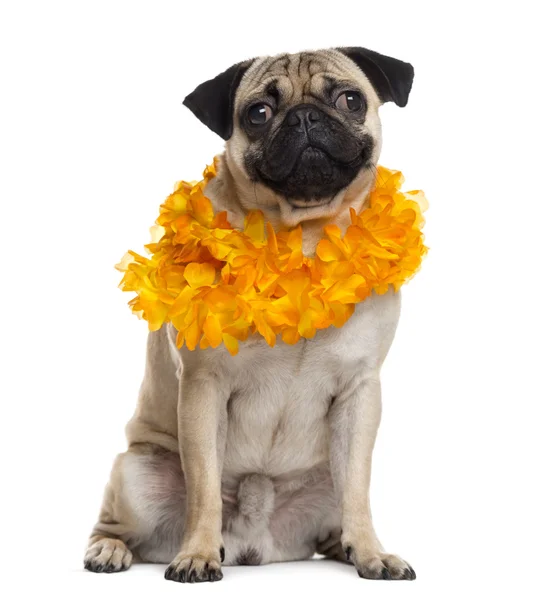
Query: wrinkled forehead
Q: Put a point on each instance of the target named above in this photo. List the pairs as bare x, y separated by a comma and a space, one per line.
296, 77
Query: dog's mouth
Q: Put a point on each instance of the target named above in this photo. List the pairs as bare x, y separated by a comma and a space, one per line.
315, 177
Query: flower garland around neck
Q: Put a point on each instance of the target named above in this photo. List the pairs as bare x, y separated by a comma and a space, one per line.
217, 284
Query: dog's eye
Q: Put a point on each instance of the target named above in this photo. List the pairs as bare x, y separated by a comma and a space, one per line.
350, 101
259, 114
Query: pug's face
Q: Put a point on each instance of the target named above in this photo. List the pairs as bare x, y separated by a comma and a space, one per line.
303, 125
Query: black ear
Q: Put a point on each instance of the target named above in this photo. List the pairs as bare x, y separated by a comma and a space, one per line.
212, 102
391, 78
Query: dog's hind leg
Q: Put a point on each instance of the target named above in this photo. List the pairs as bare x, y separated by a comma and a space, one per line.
142, 506
331, 547
107, 552
142, 514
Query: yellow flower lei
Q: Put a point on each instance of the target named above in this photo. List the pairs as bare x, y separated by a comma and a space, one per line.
218, 284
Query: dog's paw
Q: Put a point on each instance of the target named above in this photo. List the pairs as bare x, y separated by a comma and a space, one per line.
108, 556
196, 567
379, 565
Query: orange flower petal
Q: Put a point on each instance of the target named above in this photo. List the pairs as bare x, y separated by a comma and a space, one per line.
198, 275
328, 251
254, 226
272, 242
202, 209
213, 330
231, 343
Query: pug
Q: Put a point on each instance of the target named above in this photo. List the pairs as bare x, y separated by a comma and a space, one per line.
266, 456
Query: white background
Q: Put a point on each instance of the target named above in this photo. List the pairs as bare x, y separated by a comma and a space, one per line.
93, 136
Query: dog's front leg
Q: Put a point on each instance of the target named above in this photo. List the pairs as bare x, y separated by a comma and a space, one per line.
202, 429
354, 420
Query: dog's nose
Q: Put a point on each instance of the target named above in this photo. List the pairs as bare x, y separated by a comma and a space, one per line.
304, 114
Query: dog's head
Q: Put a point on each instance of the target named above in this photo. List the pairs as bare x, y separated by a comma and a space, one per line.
304, 126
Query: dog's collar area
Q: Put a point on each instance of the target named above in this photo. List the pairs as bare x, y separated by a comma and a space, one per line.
217, 284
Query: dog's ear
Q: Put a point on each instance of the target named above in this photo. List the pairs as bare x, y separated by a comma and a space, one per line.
213, 101
391, 78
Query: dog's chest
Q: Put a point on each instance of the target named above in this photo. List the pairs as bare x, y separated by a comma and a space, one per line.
276, 413
280, 397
